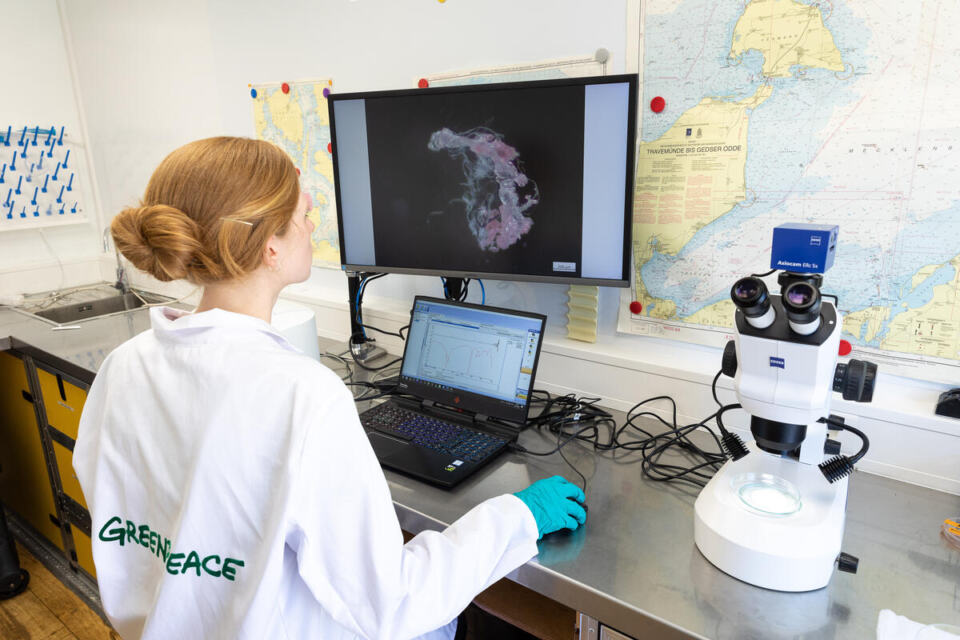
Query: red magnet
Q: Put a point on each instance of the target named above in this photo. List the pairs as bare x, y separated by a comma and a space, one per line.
657, 104
636, 307
329, 147
285, 88
845, 348
423, 84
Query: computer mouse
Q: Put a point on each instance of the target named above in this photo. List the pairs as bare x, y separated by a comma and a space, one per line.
586, 509
948, 404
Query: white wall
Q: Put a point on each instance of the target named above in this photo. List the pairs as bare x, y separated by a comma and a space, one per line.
154, 75
38, 88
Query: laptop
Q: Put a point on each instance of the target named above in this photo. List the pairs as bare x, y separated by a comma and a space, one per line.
466, 377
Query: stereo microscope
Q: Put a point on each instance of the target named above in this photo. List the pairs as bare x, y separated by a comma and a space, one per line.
773, 514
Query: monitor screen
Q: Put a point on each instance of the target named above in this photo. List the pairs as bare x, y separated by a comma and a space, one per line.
517, 181
483, 359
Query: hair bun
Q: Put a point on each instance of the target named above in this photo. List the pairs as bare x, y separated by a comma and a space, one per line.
158, 239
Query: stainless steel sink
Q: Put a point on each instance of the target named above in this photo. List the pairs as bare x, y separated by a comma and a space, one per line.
88, 309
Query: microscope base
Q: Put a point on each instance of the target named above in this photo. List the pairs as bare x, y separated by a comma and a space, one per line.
796, 552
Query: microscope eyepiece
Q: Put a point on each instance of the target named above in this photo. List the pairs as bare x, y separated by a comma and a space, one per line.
802, 295
801, 299
748, 290
750, 296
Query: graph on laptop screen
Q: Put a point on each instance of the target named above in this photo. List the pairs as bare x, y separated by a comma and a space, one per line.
483, 352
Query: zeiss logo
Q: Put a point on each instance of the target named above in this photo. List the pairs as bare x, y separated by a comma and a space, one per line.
814, 241
777, 362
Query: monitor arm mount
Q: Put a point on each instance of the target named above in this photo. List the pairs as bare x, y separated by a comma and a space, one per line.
454, 288
362, 348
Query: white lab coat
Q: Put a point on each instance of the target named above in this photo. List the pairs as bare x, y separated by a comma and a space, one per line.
211, 437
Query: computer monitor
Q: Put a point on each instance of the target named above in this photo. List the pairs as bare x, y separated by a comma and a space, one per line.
515, 181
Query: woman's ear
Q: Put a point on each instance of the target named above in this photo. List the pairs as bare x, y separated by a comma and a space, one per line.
271, 254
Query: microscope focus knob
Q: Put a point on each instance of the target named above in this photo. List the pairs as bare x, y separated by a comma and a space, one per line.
855, 380
729, 363
847, 562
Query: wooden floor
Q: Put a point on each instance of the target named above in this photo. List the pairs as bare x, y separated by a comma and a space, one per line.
48, 610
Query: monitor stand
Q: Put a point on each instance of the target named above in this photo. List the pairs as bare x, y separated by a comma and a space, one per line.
362, 348
364, 352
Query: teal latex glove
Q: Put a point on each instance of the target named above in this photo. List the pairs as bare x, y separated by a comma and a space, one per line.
555, 504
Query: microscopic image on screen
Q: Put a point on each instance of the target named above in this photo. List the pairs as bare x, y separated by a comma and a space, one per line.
485, 182
492, 181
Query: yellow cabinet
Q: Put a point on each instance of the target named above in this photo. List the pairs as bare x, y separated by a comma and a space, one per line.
63, 402
36, 462
84, 551
68, 478
24, 480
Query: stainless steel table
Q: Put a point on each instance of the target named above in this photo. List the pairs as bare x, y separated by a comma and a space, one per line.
634, 565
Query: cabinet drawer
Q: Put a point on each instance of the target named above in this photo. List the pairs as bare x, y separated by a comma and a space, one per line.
62, 400
68, 478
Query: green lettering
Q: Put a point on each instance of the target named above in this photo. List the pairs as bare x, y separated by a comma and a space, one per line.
164, 551
214, 573
193, 562
173, 563
144, 535
131, 532
154, 539
228, 571
115, 534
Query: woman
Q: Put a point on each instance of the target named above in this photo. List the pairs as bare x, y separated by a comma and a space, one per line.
232, 490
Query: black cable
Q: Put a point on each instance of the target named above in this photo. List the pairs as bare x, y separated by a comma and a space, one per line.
702, 464
380, 368
464, 290
863, 447
843, 426
840, 466
713, 388
836, 300
381, 388
561, 443
343, 362
363, 290
571, 419
398, 333
575, 470
763, 275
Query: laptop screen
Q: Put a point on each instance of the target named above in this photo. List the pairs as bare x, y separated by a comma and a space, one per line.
482, 359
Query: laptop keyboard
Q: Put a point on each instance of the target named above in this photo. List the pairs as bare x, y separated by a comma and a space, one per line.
432, 433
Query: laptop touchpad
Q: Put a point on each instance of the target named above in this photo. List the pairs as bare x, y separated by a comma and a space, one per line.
386, 447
